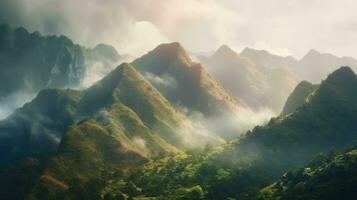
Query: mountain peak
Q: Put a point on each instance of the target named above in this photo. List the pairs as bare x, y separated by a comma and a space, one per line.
225, 51
344, 74
170, 49
298, 97
224, 47
248, 50
120, 72
312, 52
341, 84
107, 51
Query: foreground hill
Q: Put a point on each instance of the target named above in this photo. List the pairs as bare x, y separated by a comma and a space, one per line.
238, 169
261, 87
87, 154
185, 83
327, 177
31, 62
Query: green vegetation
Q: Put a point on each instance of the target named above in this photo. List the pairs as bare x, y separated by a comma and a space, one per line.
299, 96
35, 129
240, 168
20, 178
331, 176
125, 122
86, 157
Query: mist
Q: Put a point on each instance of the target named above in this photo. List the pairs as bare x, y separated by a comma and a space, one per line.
217, 129
14, 101
134, 27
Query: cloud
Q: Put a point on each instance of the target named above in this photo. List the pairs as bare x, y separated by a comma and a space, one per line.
232, 124
164, 82
94, 22
140, 143
202, 131
136, 26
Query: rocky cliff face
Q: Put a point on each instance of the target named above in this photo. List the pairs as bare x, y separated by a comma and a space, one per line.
30, 62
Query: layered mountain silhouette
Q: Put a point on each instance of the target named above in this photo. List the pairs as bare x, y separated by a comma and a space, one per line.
259, 86
31, 62
312, 67
236, 170
268, 60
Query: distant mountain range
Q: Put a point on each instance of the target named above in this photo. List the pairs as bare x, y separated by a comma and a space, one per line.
260, 87
313, 67
264, 80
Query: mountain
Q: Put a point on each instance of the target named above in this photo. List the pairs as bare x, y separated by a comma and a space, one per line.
315, 66
312, 67
119, 122
86, 153
124, 102
185, 83
333, 176
258, 86
31, 62
266, 59
100, 61
36, 128
299, 96
238, 169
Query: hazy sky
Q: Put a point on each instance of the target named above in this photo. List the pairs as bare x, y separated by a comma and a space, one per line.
136, 26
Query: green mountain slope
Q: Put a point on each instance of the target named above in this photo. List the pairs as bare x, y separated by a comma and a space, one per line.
298, 97
124, 102
132, 123
126, 121
183, 82
36, 128
327, 177
87, 155
327, 120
